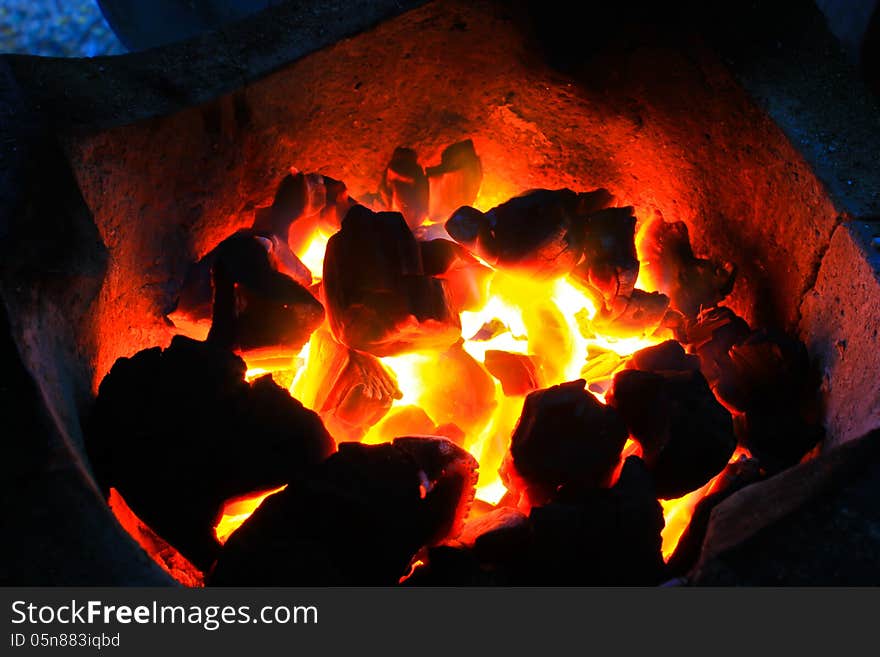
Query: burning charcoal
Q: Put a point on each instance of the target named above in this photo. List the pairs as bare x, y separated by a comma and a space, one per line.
467, 281
497, 535
666, 356
711, 335
404, 187
178, 431
404, 421
350, 390
299, 196
255, 306
358, 518
736, 476
600, 536
685, 434
517, 372
378, 298
549, 337
638, 315
327, 203
610, 263
413, 421
455, 181
457, 389
692, 283
565, 436
491, 329
601, 364
540, 234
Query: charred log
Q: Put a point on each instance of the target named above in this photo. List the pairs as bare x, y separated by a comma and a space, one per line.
179, 431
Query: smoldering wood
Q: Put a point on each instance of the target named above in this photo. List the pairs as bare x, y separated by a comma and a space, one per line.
350, 390
466, 279
565, 436
362, 515
599, 536
686, 435
497, 535
378, 298
179, 431
456, 181
540, 233
691, 283
518, 373
404, 187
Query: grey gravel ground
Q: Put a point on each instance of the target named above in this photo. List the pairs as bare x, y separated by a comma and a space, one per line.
57, 28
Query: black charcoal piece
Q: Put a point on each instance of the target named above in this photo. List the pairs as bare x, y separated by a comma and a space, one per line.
404, 187
179, 431
686, 436
565, 436
378, 298
540, 233
362, 515
610, 264
466, 279
456, 181
600, 537
692, 283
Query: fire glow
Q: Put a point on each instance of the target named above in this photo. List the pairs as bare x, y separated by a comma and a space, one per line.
545, 319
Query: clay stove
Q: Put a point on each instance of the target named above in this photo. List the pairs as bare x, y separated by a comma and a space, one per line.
144, 190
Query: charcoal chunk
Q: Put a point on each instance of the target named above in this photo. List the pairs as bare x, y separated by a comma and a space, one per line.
350, 390
710, 336
378, 298
691, 283
686, 436
455, 181
540, 233
299, 196
666, 356
638, 315
610, 264
600, 536
363, 514
517, 372
179, 431
565, 436
467, 281
457, 389
404, 187
256, 306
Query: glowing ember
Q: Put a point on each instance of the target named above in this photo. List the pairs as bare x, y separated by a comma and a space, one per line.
236, 511
547, 324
